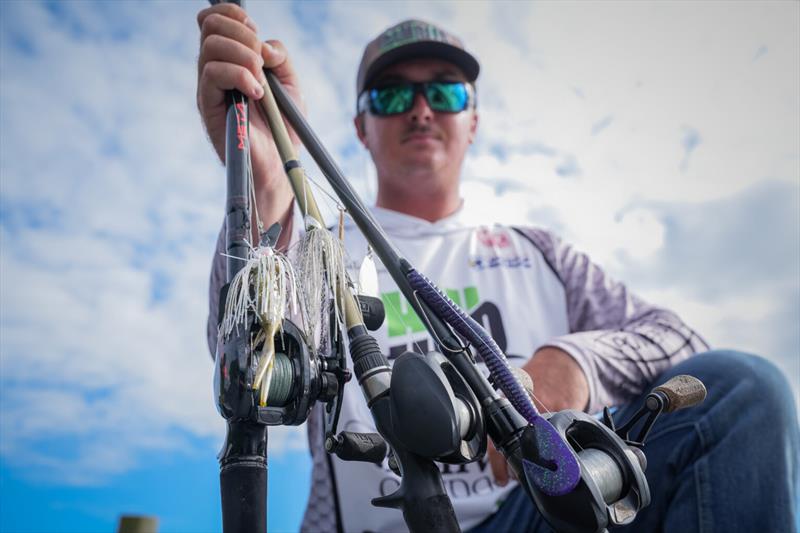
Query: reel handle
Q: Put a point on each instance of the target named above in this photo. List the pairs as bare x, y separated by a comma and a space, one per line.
351, 446
678, 393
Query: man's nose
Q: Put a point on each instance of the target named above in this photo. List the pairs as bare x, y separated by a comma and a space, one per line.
421, 111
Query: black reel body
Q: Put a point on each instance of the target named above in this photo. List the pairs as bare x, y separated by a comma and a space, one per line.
298, 381
452, 429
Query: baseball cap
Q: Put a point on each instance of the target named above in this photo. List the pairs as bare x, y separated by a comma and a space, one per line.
410, 39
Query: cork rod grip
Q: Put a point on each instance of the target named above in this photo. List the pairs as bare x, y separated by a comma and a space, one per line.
682, 391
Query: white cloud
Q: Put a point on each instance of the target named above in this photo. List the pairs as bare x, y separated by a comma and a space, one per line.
111, 195
758, 321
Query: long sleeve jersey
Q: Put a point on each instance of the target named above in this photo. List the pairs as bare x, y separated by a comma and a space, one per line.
529, 290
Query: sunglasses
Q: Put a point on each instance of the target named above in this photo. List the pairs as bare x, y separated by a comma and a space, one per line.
442, 96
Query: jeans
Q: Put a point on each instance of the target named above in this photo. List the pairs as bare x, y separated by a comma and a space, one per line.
729, 464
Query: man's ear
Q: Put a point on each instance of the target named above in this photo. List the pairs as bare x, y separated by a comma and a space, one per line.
358, 122
473, 127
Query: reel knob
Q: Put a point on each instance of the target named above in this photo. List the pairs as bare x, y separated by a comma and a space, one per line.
680, 392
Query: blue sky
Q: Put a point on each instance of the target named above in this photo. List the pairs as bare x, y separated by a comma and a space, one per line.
662, 138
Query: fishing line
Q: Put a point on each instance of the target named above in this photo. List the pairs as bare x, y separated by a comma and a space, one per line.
431, 330
323, 191
250, 177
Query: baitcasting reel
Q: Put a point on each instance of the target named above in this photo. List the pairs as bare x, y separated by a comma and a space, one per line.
451, 431
298, 381
613, 487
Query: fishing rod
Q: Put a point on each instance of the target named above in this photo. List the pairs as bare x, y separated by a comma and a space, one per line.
243, 459
582, 474
246, 342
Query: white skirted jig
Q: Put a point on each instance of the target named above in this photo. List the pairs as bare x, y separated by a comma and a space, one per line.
321, 268
265, 286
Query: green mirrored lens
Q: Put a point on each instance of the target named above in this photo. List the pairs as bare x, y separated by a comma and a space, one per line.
444, 97
392, 100
448, 97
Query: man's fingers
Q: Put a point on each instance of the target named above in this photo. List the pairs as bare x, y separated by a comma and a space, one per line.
229, 10
218, 76
216, 24
498, 464
233, 57
223, 49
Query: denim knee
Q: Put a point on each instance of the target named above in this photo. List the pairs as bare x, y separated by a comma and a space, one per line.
745, 378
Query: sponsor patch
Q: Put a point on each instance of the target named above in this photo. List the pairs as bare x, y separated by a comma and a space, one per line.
492, 239
496, 261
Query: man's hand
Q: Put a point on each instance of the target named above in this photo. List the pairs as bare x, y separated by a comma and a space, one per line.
559, 383
232, 57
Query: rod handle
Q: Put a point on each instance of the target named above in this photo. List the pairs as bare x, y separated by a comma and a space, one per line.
243, 478
243, 487
432, 514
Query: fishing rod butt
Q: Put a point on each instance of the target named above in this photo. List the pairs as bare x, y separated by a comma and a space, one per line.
242, 484
243, 478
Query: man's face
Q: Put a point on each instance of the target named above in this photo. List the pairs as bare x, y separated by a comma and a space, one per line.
421, 146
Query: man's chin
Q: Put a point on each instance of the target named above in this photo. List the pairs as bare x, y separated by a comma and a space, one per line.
423, 158
425, 166
424, 154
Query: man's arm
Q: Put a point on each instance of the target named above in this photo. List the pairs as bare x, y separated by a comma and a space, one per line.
619, 342
215, 282
559, 381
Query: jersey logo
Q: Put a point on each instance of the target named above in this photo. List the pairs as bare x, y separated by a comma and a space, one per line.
493, 239
487, 263
403, 321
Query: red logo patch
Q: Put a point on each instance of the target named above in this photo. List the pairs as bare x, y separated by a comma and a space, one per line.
493, 240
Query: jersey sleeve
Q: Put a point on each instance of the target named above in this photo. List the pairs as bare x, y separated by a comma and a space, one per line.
215, 282
621, 342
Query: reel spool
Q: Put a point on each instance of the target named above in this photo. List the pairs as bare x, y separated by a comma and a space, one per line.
297, 381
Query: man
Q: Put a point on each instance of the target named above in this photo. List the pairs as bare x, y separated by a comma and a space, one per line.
584, 338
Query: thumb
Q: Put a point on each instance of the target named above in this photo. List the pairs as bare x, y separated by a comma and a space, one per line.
277, 59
